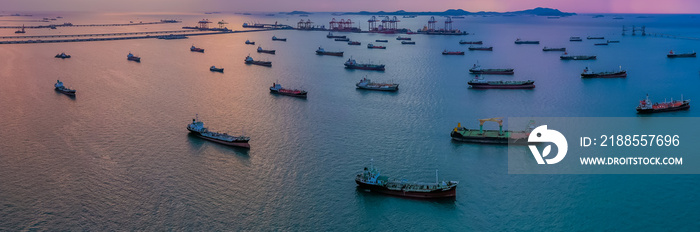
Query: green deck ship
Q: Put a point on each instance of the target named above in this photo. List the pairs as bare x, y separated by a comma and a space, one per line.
499, 136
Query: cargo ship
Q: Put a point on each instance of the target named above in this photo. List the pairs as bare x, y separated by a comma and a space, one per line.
575, 39
381, 41
197, 128
342, 39
588, 74
472, 48
403, 38
370, 179
133, 58
254, 25
499, 136
352, 64
470, 42
372, 46
519, 41
274, 38
63, 55
215, 69
261, 50
570, 57
476, 69
445, 52
354, 43
64, 90
548, 49
331, 36
249, 42
196, 49
598, 44
677, 55
595, 37
369, 85
646, 107
321, 51
613, 41
479, 83
277, 88
249, 60
408, 42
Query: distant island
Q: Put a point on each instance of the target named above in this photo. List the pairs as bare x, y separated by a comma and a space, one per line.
539, 11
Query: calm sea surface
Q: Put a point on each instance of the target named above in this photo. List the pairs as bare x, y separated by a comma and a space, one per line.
118, 156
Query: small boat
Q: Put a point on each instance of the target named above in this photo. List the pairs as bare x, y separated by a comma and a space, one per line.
215, 69
500, 136
598, 44
371, 180
476, 69
133, 58
570, 57
274, 38
408, 42
548, 49
470, 42
473, 48
403, 38
249, 60
575, 39
196, 49
676, 55
613, 41
445, 52
369, 85
62, 55
197, 128
21, 31
479, 83
354, 43
321, 51
372, 46
595, 37
331, 36
277, 88
381, 41
342, 39
249, 42
589, 74
352, 64
646, 107
60, 88
519, 41
260, 50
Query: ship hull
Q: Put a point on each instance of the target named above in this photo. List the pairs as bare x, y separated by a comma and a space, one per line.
454, 53
329, 53
486, 71
251, 43
477, 42
577, 58
134, 59
392, 89
221, 70
301, 95
528, 42
488, 139
267, 51
487, 86
684, 106
66, 92
680, 55
266, 64
451, 192
364, 68
612, 75
243, 144
481, 49
197, 50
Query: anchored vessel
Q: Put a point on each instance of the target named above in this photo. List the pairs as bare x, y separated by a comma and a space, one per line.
595, 37
371, 179
408, 42
197, 128
215, 69
476, 69
249, 60
133, 58
381, 41
196, 49
342, 39
606, 43
445, 52
368, 84
330, 35
277, 88
321, 51
548, 49
575, 39
646, 107
479, 83
372, 46
352, 64
519, 41
470, 42
499, 136
472, 48
403, 38
249, 42
63, 55
21, 31
613, 41
60, 88
261, 50
570, 57
354, 43
676, 55
588, 74
278, 39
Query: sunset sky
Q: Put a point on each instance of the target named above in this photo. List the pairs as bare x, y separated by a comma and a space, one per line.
578, 6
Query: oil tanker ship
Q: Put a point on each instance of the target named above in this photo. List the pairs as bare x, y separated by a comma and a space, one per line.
322, 51
368, 84
249, 60
476, 69
277, 88
499, 136
64, 90
371, 180
352, 64
261, 50
588, 74
197, 128
646, 107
